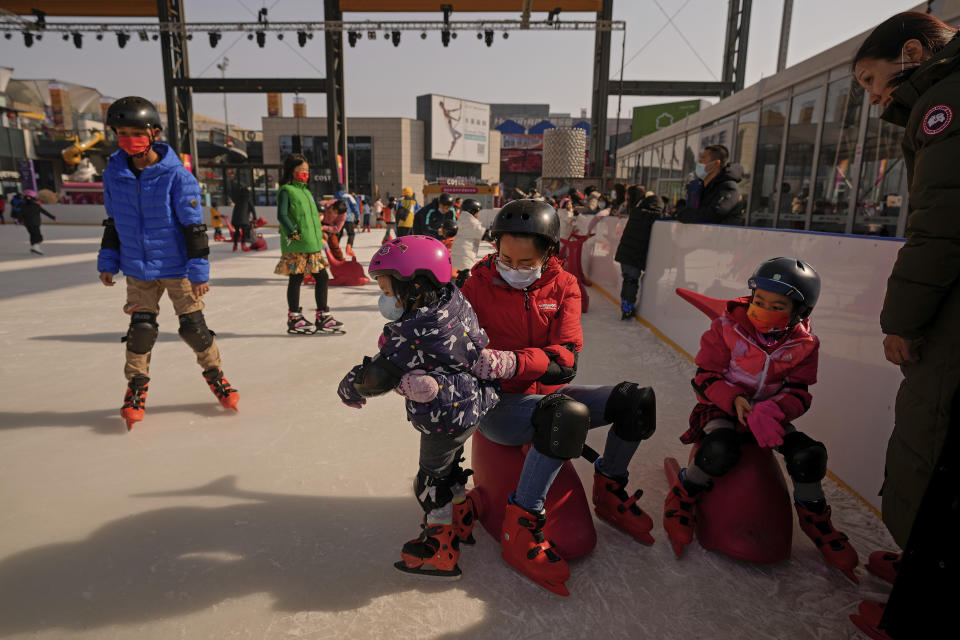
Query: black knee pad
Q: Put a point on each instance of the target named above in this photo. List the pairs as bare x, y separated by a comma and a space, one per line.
805, 457
560, 426
633, 411
719, 452
194, 331
432, 493
142, 333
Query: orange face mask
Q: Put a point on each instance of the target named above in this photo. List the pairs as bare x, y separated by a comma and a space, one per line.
767, 321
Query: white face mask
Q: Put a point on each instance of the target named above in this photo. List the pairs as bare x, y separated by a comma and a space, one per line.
519, 279
388, 307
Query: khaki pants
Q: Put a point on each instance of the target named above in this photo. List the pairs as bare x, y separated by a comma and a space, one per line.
145, 296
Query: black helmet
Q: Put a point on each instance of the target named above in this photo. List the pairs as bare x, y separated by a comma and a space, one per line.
534, 217
470, 205
449, 228
133, 112
792, 278
445, 199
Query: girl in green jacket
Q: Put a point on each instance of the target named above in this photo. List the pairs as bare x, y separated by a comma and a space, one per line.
301, 243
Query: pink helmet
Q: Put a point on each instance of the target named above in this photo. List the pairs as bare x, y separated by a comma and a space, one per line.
410, 256
30, 193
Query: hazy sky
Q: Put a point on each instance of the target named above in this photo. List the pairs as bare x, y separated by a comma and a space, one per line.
538, 67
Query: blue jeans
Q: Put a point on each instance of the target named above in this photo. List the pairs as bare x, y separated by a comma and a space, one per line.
509, 424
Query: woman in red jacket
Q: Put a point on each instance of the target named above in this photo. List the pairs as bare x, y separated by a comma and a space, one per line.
530, 308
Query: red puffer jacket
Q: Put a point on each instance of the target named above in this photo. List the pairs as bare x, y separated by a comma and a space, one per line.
539, 323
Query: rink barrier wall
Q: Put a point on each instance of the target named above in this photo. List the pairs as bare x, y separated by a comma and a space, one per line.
94, 214
853, 401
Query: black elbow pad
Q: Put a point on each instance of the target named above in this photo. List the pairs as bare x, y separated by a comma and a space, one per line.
377, 376
198, 245
110, 238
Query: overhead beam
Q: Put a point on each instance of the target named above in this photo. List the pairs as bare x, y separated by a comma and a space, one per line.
101, 8
253, 85
467, 6
670, 88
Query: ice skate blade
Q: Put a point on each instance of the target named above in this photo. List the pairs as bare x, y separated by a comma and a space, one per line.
329, 332
304, 332
645, 539
678, 548
431, 574
558, 588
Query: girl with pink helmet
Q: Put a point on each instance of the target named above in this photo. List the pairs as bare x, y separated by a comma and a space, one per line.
428, 348
29, 214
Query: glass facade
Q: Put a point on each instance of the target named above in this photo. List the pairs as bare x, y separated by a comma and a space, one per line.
815, 157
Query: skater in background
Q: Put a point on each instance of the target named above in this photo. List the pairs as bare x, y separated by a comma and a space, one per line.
351, 221
242, 217
428, 348
367, 213
466, 244
334, 217
430, 218
755, 367
161, 244
530, 308
301, 246
389, 216
643, 209
409, 203
3, 207
910, 64
217, 221
29, 213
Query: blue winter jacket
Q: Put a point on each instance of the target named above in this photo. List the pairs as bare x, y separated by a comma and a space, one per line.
353, 211
444, 340
149, 214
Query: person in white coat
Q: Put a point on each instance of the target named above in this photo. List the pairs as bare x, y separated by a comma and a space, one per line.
466, 244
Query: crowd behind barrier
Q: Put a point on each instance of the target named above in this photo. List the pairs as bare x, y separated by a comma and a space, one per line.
852, 411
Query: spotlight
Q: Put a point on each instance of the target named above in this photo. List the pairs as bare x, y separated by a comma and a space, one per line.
488, 37
66, 37
479, 36
505, 35
445, 37
77, 39
142, 35
249, 36
395, 37
371, 35
386, 36
27, 39
279, 36
423, 36
99, 36
155, 37
189, 36
39, 36
122, 39
8, 35
352, 37
454, 35
302, 38
261, 39
214, 38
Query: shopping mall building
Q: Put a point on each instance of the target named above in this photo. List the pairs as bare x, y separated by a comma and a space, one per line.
815, 153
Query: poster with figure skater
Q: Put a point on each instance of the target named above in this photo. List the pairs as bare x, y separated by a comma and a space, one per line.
460, 130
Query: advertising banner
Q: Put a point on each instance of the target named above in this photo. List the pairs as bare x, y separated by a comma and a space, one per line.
653, 117
28, 177
274, 105
299, 107
521, 161
460, 130
522, 141
60, 109
104, 105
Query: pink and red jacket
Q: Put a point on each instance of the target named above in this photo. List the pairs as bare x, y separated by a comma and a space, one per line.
734, 360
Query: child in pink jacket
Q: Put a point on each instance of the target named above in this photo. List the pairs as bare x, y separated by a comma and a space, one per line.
754, 370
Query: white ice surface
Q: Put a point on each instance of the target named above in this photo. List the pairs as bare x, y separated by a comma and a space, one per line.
283, 520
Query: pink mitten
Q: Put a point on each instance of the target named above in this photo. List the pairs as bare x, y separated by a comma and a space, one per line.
381, 341
765, 422
418, 386
495, 365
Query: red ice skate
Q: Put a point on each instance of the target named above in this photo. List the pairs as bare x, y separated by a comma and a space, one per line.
611, 503
867, 619
678, 517
834, 545
885, 565
434, 553
464, 517
526, 550
135, 400
221, 388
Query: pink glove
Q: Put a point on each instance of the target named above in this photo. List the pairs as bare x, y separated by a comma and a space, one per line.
418, 386
765, 423
495, 365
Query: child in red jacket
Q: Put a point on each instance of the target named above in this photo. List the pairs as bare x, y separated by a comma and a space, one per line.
754, 369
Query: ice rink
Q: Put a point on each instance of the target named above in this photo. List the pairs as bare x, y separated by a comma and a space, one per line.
283, 520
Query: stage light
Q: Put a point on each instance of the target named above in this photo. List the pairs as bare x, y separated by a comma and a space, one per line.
445, 37
279, 36
479, 36
453, 35
395, 36
78, 39
423, 35
488, 37
155, 37
261, 39
214, 38
99, 36
66, 37
122, 39
386, 36
143, 36
352, 37
505, 35
189, 36
27, 39
8, 35
249, 36
371, 35
302, 38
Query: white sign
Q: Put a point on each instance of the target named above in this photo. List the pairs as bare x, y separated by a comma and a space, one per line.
460, 130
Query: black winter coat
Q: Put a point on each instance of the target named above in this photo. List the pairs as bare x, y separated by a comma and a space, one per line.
720, 201
30, 212
635, 241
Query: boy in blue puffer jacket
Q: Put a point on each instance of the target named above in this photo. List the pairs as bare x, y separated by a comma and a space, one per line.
154, 232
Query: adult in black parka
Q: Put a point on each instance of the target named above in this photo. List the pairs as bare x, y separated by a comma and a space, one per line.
642, 211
